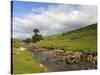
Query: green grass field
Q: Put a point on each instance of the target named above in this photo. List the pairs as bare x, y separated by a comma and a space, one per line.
22, 61
80, 39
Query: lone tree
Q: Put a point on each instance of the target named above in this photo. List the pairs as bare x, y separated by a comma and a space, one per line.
36, 37
36, 31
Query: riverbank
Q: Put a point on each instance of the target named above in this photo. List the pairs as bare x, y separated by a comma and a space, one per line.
23, 63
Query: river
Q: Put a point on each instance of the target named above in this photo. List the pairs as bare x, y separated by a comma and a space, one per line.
52, 64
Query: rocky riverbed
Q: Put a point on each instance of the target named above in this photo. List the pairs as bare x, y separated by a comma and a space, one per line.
54, 59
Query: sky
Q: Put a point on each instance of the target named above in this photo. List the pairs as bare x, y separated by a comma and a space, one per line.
49, 18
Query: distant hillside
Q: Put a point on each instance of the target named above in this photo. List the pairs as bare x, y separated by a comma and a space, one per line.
82, 38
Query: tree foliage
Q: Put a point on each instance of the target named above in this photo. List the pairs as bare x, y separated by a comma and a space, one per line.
36, 31
27, 40
36, 37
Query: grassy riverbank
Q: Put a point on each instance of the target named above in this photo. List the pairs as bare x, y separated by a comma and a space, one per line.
22, 62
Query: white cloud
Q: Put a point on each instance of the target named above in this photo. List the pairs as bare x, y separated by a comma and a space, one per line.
55, 19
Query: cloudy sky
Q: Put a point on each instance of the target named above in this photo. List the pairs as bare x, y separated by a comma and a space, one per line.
49, 18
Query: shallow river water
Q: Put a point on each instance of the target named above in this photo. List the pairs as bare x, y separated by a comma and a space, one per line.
53, 65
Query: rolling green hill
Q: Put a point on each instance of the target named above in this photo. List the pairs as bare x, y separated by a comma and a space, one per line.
80, 39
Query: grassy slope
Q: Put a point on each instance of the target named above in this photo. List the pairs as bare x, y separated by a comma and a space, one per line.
23, 61
83, 38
